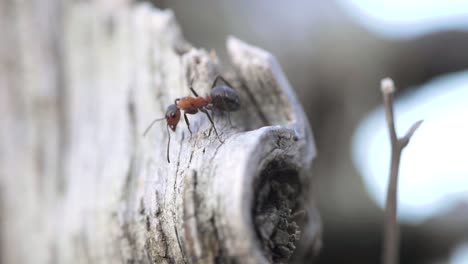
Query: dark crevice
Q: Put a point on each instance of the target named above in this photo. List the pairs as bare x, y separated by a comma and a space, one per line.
142, 207
148, 224
152, 243
277, 194
190, 159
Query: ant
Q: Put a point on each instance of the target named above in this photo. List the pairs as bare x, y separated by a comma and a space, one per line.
222, 98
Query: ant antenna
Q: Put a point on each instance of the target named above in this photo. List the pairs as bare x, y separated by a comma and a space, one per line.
151, 125
168, 143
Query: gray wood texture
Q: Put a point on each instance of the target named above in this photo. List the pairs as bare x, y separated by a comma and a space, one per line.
80, 82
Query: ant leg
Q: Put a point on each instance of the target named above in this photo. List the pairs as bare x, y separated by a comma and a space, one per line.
212, 123
168, 143
188, 124
193, 91
219, 77
211, 128
191, 88
215, 80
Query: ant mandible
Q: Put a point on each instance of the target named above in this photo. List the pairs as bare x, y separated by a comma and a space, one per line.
222, 98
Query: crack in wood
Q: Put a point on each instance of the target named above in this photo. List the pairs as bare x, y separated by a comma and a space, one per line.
148, 223
190, 217
190, 159
142, 207
163, 242
183, 255
175, 207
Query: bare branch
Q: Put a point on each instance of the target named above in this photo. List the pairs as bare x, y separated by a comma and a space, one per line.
391, 231
388, 89
410, 133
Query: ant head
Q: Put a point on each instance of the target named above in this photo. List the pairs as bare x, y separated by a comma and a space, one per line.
172, 116
225, 98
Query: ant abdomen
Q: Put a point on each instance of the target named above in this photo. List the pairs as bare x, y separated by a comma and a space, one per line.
225, 98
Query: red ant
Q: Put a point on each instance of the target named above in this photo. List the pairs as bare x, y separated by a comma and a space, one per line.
222, 97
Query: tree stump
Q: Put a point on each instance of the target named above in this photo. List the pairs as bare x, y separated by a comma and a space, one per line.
80, 81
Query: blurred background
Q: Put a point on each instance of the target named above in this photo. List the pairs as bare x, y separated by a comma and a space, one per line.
335, 53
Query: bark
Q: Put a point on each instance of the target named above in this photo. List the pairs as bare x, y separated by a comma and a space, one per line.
80, 81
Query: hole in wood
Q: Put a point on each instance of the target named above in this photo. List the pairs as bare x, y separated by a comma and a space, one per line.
276, 203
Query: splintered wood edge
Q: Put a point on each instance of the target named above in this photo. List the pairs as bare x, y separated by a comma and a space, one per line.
263, 76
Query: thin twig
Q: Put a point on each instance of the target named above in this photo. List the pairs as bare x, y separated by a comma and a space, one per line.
392, 232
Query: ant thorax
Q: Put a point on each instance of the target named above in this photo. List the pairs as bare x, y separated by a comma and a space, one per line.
191, 105
222, 98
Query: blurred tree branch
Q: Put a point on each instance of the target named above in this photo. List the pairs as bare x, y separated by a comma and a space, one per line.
392, 233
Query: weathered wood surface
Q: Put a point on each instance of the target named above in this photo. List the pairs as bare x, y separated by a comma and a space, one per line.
79, 83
